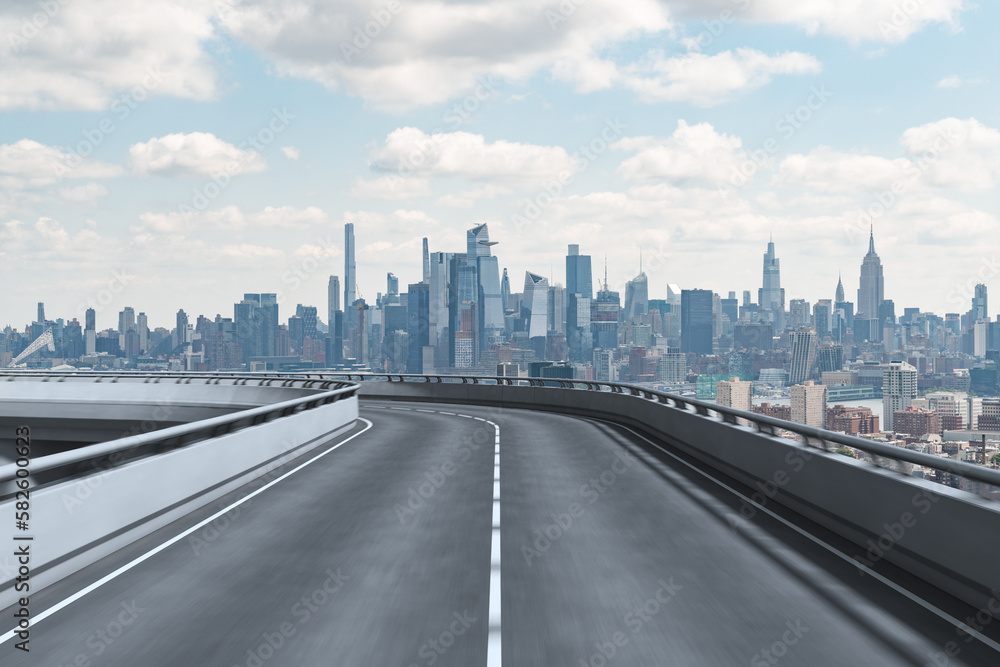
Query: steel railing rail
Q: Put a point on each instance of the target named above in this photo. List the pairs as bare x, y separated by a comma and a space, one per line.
763, 423
176, 436
239, 379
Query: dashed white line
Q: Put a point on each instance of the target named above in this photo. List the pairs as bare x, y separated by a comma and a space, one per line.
494, 653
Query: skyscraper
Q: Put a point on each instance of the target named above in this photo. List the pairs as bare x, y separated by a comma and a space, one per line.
871, 293
636, 297
427, 262
143, 328
899, 388
489, 305
696, 321
840, 290
535, 304
771, 298
268, 322
90, 318
332, 299
578, 273
41, 312
980, 306
182, 327
804, 345
391, 285
350, 268
579, 292
417, 326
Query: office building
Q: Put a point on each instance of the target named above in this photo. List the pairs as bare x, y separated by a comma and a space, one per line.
809, 404
871, 293
771, 297
696, 321
805, 343
899, 388
735, 393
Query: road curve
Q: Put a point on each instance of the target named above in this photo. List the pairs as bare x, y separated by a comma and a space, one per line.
378, 553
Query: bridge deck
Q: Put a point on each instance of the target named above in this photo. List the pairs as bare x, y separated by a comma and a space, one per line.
379, 553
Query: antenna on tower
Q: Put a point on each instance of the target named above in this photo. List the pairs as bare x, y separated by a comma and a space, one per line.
605, 271
640, 260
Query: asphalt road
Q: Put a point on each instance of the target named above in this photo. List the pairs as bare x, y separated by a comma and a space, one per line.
379, 554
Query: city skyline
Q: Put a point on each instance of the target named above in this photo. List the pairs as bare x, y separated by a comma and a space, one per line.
218, 161
313, 275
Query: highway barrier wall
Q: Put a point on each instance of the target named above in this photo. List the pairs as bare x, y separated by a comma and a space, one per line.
945, 536
77, 521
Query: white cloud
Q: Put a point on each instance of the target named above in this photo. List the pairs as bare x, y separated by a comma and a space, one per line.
964, 154
28, 163
193, 154
462, 154
431, 51
291, 152
468, 198
957, 81
232, 218
949, 153
953, 81
708, 80
885, 21
693, 154
84, 53
826, 170
84, 194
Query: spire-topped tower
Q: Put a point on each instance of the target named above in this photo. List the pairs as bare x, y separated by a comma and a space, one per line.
840, 289
770, 297
871, 292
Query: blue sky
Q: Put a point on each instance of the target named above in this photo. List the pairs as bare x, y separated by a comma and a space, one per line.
679, 120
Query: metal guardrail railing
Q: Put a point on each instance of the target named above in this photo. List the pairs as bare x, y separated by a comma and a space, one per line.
114, 452
764, 424
811, 436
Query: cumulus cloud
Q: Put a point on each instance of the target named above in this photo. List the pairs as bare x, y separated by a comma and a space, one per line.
950, 153
81, 54
28, 163
885, 21
964, 154
232, 218
694, 77
409, 151
430, 51
693, 154
193, 154
84, 194
291, 152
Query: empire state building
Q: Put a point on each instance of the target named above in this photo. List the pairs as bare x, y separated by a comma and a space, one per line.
872, 290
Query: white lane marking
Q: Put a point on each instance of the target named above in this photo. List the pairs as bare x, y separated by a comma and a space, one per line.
494, 654
888, 582
149, 554
494, 645
407, 409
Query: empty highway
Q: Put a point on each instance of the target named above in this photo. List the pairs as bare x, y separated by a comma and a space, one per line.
385, 549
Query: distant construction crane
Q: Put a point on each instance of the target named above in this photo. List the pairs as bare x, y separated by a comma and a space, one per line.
45, 340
